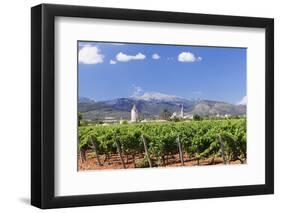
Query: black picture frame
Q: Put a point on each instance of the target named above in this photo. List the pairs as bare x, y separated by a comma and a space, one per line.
43, 111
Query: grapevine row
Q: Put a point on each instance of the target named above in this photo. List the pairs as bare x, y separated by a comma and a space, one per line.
198, 139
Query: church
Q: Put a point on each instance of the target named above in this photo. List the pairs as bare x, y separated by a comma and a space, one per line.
181, 115
176, 115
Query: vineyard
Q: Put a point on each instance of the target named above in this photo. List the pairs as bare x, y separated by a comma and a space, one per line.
162, 144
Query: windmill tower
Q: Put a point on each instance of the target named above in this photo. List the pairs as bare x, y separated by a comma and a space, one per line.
134, 114
182, 111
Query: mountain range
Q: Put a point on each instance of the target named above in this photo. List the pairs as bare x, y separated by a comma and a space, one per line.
150, 105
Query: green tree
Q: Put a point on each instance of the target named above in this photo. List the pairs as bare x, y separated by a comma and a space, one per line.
197, 117
165, 114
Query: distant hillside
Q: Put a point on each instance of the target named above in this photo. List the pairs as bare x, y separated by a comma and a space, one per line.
150, 105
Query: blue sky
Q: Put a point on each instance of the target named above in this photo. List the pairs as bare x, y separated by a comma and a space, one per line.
112, 70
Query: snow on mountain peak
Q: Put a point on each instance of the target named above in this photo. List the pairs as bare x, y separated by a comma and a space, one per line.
149, 96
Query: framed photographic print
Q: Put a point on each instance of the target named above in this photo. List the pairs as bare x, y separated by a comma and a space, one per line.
139, 106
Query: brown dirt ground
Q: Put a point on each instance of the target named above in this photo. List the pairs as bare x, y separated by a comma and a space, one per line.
115, 163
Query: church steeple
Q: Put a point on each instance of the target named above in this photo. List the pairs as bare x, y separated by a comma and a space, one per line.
182, 111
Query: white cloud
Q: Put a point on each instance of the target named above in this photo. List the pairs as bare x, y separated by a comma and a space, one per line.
188, 57
90, 55
125, 58
243, 101
137, 91
112, 62
155, 56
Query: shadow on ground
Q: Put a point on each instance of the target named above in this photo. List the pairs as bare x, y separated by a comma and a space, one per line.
25, 200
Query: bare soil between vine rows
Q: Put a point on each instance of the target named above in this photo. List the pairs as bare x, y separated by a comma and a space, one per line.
115, 163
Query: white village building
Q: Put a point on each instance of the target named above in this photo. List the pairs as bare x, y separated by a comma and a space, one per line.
178, 115
181, 114
134, 114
